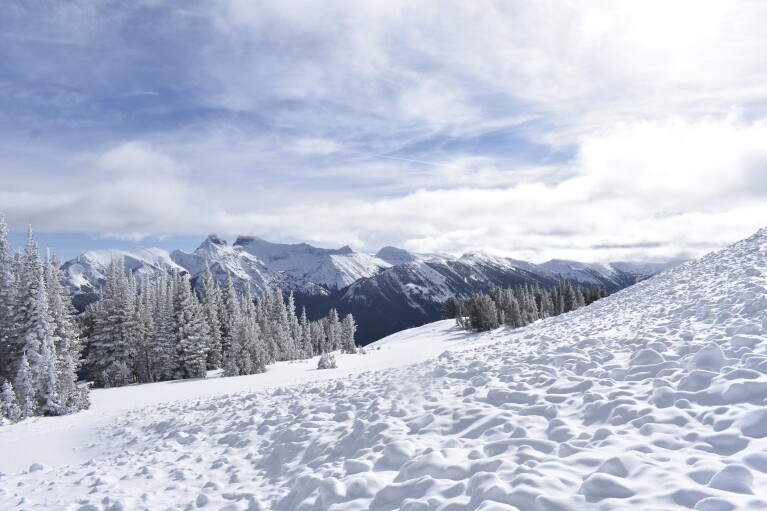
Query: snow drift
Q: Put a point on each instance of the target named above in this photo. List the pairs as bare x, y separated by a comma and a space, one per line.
654, 398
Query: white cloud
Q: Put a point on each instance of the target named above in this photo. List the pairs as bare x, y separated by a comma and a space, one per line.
607, 129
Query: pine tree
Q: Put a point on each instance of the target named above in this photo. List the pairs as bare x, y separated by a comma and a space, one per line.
280, 330
111, 352
319, 340
228, 311
66, 335
348, 328
8, 406
47, 392
164, 350
306, 335
294, 330
327, 361
332, 328
209, 298
25, 388
191, 331
8, 334
32, 320
145, 307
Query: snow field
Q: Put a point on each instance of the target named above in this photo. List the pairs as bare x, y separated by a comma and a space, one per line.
654, 398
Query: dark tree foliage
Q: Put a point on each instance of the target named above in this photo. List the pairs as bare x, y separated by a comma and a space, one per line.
518, 306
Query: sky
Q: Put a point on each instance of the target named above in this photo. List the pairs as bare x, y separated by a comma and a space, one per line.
595, 131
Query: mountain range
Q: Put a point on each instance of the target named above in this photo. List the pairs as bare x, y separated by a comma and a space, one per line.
386, 292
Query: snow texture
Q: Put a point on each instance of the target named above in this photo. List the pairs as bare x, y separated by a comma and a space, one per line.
653, 398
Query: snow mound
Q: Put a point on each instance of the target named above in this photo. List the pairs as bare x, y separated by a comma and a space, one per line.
652, 399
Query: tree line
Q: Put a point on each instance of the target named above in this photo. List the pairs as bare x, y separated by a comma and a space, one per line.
166, 330
138, 332
518, 306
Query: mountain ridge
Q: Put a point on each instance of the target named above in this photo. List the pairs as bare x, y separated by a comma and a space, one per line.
389, 291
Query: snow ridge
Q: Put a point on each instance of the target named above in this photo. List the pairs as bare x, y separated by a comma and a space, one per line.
653, 398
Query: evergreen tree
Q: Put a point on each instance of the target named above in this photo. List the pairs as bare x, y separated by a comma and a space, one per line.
47, 394
319, 340
191, 331
8, 406
33, 323
306, 336
66, 336
145, 310
25, 388
210, 299
280, 330
294, 351
228, 312
332, 332
348, 328
8, 334
111, 354
164, 349
327, 361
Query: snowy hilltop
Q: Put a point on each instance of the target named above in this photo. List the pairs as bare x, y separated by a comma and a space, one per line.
653, 398
387, 292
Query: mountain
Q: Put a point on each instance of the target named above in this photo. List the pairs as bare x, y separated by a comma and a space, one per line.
650, 399
390, 291
302, 263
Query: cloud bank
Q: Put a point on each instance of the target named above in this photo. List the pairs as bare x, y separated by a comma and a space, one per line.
600, 131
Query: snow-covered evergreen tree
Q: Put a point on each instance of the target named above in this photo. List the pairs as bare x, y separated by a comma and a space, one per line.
332, 332
33, 323
210, 298
111, 350
25, 388
306, 335
66, 335
191, 331
327, 361
164, 349
47, 393
228, 312
8, 406
8, 333
348, 328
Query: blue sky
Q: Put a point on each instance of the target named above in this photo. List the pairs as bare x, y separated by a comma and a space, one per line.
596, 131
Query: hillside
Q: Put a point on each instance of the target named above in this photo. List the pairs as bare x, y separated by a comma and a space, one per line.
653, 398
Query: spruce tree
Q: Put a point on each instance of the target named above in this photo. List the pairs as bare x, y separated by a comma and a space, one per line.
191, 331
32, 319
210, 299
66, 335
163, 354
228, 311
8, 406
332, 334
111, 354
8, 334
306, 335
348, 328
25, 388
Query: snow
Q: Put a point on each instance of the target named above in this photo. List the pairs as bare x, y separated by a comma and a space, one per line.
305, 263
653, 398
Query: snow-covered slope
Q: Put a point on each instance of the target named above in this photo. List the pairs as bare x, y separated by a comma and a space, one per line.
86, 272
333, 269
394, 256
641, 271
654, 398
594, 274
